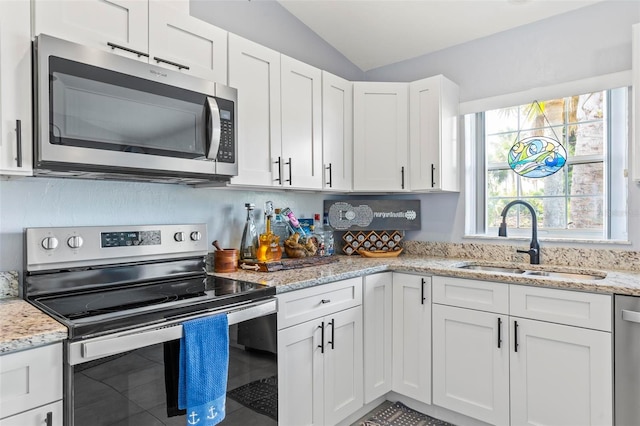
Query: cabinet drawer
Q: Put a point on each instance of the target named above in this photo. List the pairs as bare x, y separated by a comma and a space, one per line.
30, 378
314, 302
472, 294
36, 417
562, 306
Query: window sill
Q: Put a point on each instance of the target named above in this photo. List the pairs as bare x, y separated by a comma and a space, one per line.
485, 237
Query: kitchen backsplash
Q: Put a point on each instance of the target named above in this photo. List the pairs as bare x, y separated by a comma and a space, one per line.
8, 284
561, 256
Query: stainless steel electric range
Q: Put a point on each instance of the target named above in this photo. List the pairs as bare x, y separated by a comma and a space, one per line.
124, 292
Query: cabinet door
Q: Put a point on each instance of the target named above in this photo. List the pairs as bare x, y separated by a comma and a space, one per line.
433, 146
255, 71
301, 124
337, 132
471, 363
560, 375
185, 41
378, 334
37, 417
30, 378
96, 23
300, 374
343, 383
412, 336
15, 89
380, 127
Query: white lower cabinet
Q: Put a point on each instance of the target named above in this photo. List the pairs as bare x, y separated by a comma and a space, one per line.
412, 336
505, 369
31, 387
377, 307
320, 375
470, 365
560, 375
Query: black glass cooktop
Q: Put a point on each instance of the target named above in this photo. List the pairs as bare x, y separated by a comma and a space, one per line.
98, 311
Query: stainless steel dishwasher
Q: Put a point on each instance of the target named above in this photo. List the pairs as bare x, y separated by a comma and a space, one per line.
627, 360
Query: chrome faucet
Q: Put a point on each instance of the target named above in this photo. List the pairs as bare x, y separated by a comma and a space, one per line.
534, 246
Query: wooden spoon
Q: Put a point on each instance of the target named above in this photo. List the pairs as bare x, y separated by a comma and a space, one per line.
216, 245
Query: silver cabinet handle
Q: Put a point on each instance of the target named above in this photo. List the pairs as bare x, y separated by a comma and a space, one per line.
631, 316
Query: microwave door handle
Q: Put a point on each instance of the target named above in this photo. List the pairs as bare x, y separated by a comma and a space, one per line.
214, 125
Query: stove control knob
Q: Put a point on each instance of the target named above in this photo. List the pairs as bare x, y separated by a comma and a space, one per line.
75, 242
49, 243
179, 236
196, 236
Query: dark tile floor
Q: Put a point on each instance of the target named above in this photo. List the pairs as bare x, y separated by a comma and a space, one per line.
130, 390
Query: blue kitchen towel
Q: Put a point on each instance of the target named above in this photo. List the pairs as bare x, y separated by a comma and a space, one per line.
204, 365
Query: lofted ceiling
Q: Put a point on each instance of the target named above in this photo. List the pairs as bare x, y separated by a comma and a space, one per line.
375, 33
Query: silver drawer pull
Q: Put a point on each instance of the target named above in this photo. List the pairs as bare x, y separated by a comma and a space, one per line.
631, 316
323, 301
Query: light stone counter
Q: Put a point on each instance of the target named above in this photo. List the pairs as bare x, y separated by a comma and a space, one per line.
615, 282
23, 326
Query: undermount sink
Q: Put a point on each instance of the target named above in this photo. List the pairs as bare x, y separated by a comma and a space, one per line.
493, 269
570, 275
534, 273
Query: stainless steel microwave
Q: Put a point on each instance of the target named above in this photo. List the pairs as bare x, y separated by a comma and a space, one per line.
100, 115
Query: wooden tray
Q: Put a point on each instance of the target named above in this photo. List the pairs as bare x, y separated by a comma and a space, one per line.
365, 253
286, 263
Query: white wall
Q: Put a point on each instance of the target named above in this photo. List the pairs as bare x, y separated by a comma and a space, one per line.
587, 42
43, 202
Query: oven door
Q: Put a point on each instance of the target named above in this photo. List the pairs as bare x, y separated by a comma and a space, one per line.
99, 111
130, 377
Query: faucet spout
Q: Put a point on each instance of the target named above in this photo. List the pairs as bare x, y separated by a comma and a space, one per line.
534, 246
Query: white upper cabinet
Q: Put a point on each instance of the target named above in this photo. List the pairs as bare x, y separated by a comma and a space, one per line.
178, 40
337, 132
380, 141
255, 71
301, 97
433, 135
15, 89
279, 117
97, 23
159, 32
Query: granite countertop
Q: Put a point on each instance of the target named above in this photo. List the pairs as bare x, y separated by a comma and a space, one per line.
24, 326
615, 282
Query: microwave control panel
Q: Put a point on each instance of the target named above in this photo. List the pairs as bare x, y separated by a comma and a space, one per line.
227, 149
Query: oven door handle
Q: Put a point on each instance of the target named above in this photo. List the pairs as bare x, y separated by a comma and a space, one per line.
112, 345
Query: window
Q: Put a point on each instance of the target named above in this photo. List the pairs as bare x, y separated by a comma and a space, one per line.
586, 199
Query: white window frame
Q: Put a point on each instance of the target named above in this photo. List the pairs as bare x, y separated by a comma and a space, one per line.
616, 227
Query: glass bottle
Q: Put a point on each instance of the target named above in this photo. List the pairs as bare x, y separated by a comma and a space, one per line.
329, 243
318, 234
249, 241
293, 222
280, 227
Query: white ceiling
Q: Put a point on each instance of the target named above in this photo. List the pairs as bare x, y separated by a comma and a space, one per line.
375, 33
